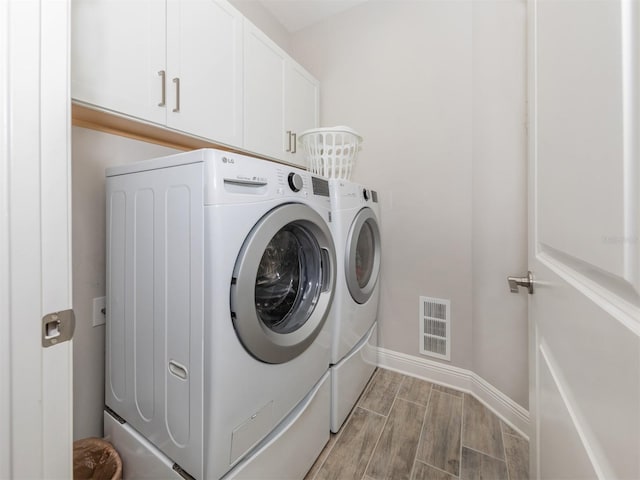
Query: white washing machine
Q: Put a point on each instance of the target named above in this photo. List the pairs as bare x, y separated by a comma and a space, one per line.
221, 271
356, 214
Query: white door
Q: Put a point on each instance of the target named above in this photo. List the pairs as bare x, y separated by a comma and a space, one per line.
264, 67
302, 97
35, 225
584, 238
204, 52
118, 56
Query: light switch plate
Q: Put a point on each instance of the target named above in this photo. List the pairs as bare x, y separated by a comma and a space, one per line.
98, 307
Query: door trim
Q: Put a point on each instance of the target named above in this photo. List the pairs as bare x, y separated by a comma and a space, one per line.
619, 309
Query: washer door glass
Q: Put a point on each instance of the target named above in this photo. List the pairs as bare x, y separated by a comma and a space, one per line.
283, 283
362, 260
288, 282
365, 255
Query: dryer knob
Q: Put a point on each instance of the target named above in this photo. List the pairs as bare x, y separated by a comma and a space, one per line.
295, 182
365, 194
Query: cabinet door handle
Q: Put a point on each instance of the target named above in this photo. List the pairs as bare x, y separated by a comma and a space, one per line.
177, 82
295, 146
163, 77
289, 133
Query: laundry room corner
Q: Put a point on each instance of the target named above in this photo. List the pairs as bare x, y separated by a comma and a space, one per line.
442, 112
499, 232
415, 118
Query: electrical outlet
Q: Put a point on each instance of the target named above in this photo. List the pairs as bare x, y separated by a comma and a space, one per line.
99, 312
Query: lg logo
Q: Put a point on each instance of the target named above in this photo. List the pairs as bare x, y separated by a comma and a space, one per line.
228, 160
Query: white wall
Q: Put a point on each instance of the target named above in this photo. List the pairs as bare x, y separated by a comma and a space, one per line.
499, 195
437, 90
92, 152
400, 74
265, 21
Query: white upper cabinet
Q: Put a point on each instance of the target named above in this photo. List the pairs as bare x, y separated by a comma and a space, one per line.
280, 99
301, 104
196, 66
176, 63
264, 67
117, 54
204, 54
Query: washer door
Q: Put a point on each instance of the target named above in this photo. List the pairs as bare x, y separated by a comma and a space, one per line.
362, 259
283, 283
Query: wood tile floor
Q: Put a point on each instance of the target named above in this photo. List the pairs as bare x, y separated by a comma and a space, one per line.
406, 428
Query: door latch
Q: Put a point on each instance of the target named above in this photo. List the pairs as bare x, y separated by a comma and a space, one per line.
57, 327
515, 282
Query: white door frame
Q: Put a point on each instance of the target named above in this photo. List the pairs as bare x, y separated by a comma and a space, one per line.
35, 238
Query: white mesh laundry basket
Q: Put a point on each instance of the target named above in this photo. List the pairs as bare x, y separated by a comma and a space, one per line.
331, 152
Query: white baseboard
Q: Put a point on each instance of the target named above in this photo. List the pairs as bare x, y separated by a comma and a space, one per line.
467, 381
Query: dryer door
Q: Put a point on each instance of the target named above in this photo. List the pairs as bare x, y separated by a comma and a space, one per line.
362, 259
283, 283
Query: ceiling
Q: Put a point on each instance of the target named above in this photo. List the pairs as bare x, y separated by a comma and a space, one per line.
295, 15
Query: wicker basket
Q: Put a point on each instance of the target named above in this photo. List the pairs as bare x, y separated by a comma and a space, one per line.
331, 152
96, 459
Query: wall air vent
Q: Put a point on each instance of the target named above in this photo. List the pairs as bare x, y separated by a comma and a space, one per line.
435, 327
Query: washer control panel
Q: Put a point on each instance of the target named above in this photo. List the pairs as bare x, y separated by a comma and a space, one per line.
295, 181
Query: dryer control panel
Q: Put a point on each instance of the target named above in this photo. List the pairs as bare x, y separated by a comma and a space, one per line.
320, 186
369, 195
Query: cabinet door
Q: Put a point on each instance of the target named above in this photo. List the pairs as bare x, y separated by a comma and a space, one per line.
204, 52
117, 52
301, 107
264, 64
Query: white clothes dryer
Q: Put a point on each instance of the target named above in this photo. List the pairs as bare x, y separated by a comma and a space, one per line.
221, 271
356, 214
